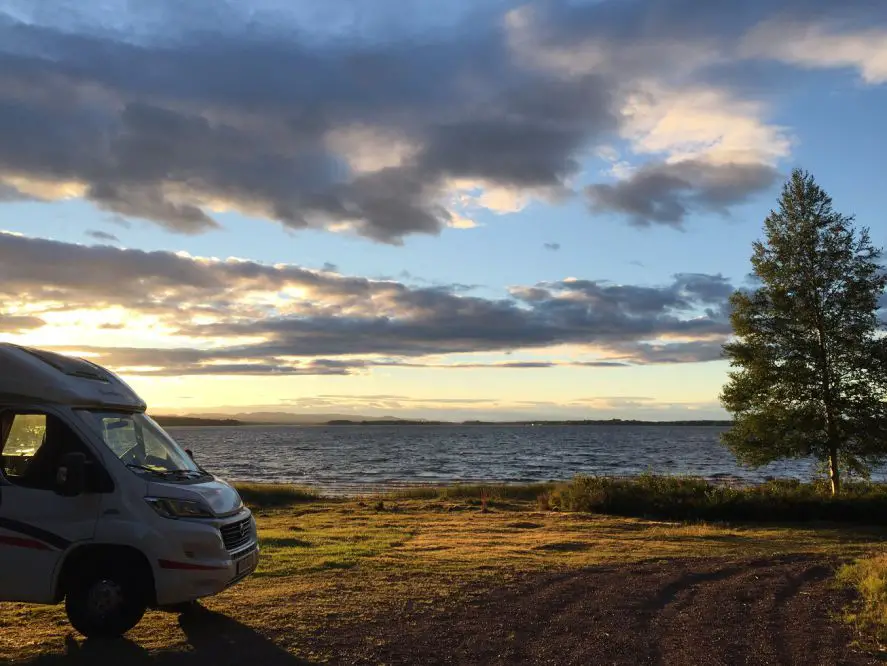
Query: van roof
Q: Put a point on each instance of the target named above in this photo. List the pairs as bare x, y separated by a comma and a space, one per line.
30, 375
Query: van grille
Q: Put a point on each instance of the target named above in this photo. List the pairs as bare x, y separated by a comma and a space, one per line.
236, 535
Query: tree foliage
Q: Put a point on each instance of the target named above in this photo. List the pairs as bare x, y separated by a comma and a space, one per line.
809, 358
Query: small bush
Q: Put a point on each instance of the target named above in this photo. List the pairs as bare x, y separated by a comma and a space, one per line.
689, 498
869, 577
267, 495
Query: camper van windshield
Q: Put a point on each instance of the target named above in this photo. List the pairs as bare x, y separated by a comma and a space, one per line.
141, 444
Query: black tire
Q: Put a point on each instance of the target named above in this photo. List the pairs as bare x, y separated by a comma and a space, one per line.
106, 600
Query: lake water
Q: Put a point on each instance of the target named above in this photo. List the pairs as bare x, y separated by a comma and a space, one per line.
356, 459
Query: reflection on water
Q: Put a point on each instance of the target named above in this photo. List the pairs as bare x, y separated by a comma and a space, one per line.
352, 459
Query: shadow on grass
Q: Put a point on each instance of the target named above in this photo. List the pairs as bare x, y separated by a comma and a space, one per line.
524, 525
565, 546
212, 638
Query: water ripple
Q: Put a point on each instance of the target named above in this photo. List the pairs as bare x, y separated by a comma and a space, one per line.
354, 459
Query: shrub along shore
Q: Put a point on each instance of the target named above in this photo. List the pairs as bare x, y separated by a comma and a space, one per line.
645, 496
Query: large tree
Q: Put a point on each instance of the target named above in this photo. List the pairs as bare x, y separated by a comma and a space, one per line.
809, 360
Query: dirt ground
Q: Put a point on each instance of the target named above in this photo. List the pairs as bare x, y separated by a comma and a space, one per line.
714, 611
774, 610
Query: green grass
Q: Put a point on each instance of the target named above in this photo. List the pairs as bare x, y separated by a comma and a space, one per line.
320, 540
273, 495
869, 577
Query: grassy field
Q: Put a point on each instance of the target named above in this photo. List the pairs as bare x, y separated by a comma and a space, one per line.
869, 616
328, 564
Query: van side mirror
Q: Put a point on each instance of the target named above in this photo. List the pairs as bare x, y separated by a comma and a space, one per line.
70, 477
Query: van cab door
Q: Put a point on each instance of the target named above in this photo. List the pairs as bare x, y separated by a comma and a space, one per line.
37, 524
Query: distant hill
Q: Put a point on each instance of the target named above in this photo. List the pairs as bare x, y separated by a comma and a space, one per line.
286, 418
173, 421
388, 421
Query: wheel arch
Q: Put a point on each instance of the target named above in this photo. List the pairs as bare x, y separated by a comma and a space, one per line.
95, 555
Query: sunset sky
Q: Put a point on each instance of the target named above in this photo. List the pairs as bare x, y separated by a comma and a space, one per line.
477, 209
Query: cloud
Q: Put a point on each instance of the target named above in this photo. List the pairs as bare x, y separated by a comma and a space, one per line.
18, 323
10, 193
236, 316
666, 193
150, 203
645, 353
423, 322
512, 365
241, 361
573, 38
694, 123
102, 236
554, 247
822, 45
683, 94
361, 136
175, 116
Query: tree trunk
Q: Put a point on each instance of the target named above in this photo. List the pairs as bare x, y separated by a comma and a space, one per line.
833, 471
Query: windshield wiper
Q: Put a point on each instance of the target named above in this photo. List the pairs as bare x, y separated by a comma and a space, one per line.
159, 471
187, 473
153, 470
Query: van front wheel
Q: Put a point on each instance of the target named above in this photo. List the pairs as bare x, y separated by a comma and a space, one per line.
105, 602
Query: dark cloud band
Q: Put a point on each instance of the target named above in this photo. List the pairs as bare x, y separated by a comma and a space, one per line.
324, 323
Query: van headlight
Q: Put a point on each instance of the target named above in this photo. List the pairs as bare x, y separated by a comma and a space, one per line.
179, 508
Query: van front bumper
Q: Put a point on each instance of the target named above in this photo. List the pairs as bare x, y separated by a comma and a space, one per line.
181, 581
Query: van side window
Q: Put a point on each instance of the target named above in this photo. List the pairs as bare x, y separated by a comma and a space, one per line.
24, 435
32, 446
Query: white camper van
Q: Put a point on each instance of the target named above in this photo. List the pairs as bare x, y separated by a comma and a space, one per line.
99, 506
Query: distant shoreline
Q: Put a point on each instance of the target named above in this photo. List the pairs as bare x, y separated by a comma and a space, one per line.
598, 422
185, 421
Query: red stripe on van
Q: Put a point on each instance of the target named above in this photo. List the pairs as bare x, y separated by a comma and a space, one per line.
187, 566
21, 542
